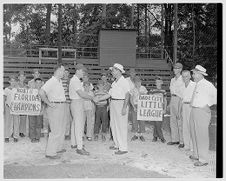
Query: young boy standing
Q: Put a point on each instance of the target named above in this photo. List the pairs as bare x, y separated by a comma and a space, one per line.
139, 126
158, 124
89, 111
35, 122
101, 112
11, 121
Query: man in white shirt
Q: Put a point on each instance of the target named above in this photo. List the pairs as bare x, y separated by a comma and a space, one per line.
52, 93
204, 96
77, 96
186, 108
176, 89
130, 79
119, 94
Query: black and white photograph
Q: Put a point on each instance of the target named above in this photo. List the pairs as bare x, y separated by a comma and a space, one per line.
114, 90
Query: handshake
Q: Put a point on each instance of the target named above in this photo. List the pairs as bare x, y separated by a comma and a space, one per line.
96, 99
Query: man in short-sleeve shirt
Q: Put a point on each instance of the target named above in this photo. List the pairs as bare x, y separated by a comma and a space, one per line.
119, 94
52, 93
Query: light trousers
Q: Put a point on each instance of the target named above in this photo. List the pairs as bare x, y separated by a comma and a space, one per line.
67, 118
199, 125
77, 110
176, 123
57, 126
11, 124
89, 119
186, 111
119, 124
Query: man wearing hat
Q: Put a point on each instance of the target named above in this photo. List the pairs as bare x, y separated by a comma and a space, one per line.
77, 96
176, 89
119, 94
204, 96
52, 93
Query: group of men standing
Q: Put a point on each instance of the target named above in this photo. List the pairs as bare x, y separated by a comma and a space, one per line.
190, 111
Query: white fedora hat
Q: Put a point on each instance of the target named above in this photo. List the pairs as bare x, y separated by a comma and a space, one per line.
118, 66
200, 69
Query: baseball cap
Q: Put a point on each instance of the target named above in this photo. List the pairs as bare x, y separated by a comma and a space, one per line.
118, 66
178, 66
80, 66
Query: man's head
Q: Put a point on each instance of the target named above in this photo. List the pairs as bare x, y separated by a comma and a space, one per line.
186, 76
137, 81
66, 72
85, 77
104, 77
117, 70
38, 82
59, 71
80, 70
198, 73
35, 73
177, 68
86, 85
100, 84
158, 82
21, 76
132, 72
13, 80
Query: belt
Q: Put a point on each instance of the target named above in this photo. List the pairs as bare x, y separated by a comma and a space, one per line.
186, 102
174, 95
59, 102
117, 99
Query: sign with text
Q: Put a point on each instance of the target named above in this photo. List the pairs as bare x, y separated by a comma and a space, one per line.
150, 107
25, 102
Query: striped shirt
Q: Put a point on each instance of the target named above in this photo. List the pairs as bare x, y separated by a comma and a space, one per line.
65, 83
100, 93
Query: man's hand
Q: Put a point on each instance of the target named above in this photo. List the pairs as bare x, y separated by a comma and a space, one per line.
95, 99
123, 111
135, 109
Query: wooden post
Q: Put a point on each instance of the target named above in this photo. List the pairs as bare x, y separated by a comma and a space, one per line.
162, 32
59, 34
175, 34
104, 16
132, 16
193, 24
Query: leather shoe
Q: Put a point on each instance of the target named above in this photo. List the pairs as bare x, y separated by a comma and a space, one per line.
142, 138
173, 143
134, 138
73, 146
62, 151
193, 158
113, 148
6, 140
82, 152
119, 152
53, 157
181, 146
154, 139
163, 140
199, 164
15, 140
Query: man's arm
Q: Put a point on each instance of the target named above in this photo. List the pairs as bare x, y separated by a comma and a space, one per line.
44, 97
84, 95
125, 103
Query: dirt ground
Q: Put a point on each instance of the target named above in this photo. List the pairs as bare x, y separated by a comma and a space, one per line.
144, 160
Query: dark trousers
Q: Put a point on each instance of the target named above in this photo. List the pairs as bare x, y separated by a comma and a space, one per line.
101, 119
158, 129
137, 125
35, 125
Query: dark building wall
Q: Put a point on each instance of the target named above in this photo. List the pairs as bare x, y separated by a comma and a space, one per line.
117, 47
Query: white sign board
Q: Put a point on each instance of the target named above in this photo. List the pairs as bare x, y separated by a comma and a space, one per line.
150, 107
25, 102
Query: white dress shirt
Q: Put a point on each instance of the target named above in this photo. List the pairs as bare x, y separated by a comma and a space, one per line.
188, 92
54, 90
177, 86
205, 94
75, 85
119, 89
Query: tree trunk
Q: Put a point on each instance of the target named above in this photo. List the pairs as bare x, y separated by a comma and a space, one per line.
162, 31
193, 25
59, 34
175, 34
104, 16
145, 20
48, 17
132, 16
